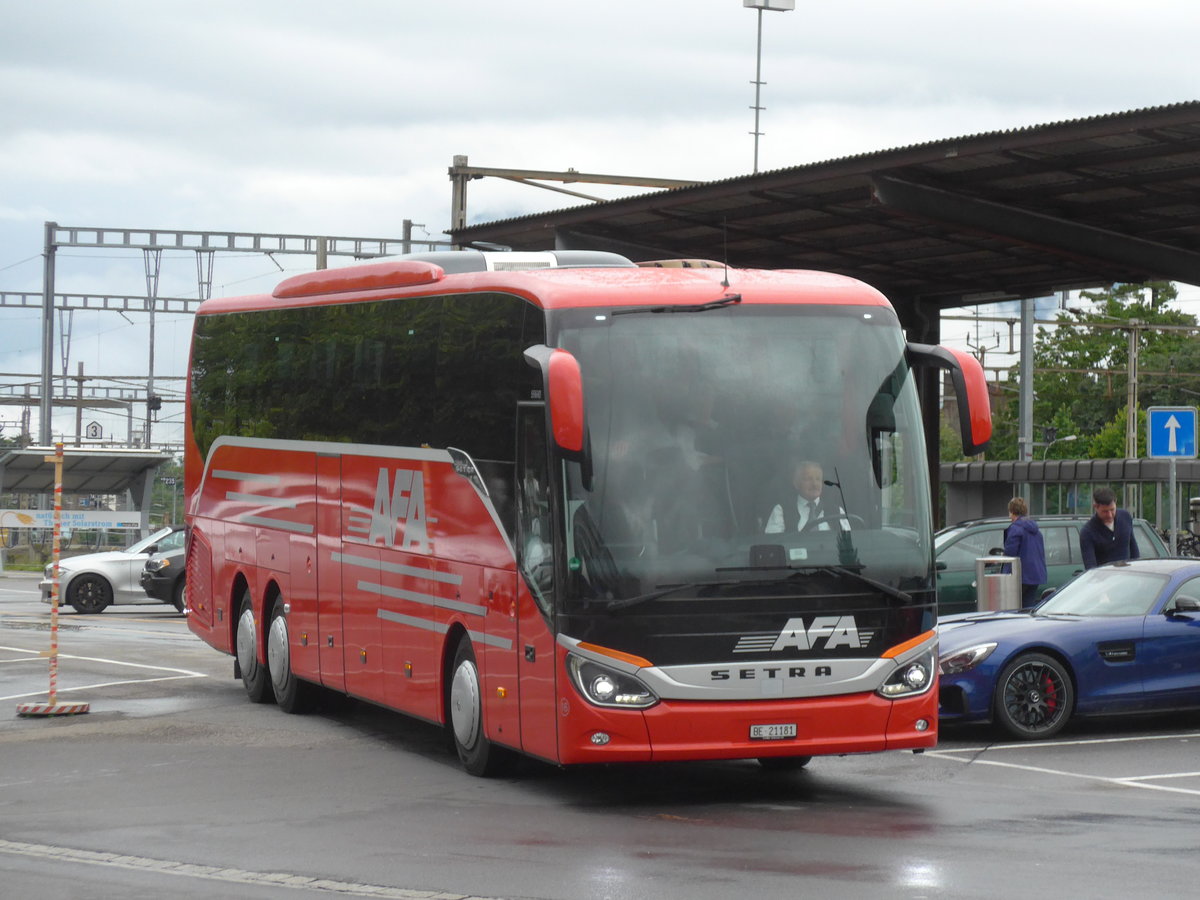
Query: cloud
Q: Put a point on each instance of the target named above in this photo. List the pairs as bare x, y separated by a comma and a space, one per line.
294, 116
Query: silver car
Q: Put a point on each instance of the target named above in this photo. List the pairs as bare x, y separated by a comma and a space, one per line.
92, 582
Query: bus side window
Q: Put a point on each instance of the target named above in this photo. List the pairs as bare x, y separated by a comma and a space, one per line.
535, 536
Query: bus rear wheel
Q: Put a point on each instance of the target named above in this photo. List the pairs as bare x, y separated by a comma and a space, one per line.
254, 674
464, 702
292, 694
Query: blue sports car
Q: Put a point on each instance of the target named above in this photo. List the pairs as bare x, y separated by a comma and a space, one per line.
1122, 638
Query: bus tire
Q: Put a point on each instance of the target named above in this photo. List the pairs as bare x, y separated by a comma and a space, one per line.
255, 678
783, 763
464, 702
293, 695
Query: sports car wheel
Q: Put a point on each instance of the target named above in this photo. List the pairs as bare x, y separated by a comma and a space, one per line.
90, 594
292, 694
1034, 697
254, 675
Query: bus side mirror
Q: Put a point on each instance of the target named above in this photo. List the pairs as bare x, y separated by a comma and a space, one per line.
970, 387
563, 381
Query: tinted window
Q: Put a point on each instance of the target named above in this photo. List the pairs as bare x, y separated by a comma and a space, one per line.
442, 371
1189, 590
961, 555
1059, 542
1147, 545
1106, 591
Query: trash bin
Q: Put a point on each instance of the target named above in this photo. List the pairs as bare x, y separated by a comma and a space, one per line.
997, 590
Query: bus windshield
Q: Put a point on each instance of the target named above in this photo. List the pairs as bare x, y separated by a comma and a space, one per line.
706, 432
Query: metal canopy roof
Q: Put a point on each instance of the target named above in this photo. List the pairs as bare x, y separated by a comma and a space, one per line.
86, 470
971, 219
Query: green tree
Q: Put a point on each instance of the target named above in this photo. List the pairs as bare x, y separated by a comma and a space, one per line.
1109, 441
1081, 370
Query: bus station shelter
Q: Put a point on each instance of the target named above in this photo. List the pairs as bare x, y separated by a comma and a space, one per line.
86, 471
962, 221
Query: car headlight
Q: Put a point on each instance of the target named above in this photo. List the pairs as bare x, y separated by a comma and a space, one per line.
965, 660
913, 677
604, 686
157, 565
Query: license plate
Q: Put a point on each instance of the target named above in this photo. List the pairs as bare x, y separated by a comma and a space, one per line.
772, 732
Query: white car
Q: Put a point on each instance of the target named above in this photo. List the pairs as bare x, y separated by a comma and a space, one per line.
92, 582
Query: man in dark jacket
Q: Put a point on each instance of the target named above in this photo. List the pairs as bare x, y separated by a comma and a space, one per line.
1023, 539
1108, 535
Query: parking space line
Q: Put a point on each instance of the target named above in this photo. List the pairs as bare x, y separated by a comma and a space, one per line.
1133, 781
176, 674
1044, 745
226, 874
93, 687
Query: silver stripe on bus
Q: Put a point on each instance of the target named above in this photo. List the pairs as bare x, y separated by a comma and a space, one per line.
245, 476
282, 502
402, 619
284, 524
397, 568
478, 637
425, 599
333, 448
491, 640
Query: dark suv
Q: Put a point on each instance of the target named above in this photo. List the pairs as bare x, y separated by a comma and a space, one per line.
164, 578
956, 548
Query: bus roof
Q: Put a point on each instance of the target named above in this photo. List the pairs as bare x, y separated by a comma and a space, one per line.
560, 288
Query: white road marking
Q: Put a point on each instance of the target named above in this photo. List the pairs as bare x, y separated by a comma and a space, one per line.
223, 873
1037, 745
967, 755
176, 674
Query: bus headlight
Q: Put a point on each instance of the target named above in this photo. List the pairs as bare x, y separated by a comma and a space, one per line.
913, 677
607, 687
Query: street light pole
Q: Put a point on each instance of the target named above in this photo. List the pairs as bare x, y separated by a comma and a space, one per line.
1062, 440
760, 5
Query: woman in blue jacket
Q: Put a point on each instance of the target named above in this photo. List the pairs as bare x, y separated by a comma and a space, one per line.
1023, 540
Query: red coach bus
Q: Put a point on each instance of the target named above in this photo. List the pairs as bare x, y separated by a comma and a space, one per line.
530, 497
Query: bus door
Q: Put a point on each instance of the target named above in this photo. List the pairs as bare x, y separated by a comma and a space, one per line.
535, 549
329, 570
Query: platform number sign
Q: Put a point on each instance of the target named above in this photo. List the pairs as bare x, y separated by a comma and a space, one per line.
1171, 431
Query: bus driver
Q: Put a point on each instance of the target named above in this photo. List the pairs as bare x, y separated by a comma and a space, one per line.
809, 511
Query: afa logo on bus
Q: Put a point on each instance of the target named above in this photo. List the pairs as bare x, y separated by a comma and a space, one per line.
400, 506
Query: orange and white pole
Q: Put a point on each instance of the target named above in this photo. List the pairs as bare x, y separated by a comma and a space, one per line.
53, 707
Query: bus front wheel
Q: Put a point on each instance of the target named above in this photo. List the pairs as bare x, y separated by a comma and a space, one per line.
465, 705
254, 674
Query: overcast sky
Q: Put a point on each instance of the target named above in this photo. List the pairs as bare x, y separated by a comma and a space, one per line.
341, 119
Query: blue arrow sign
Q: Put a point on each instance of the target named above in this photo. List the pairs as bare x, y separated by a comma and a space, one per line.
1171, 431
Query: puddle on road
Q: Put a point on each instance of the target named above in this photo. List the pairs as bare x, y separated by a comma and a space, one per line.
29, 623
145, 708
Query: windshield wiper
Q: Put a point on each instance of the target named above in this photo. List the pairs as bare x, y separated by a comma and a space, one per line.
727, 300
887, 589
626, 602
